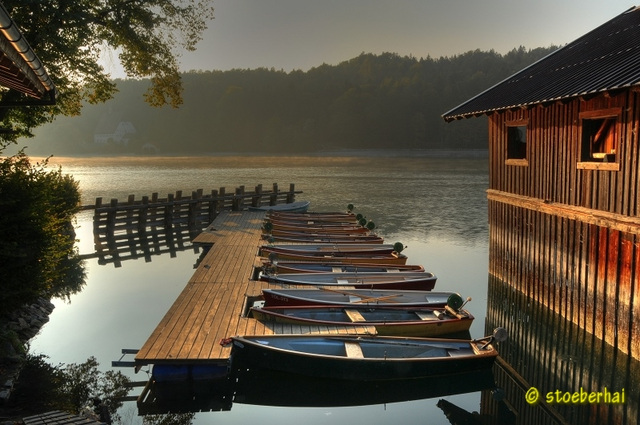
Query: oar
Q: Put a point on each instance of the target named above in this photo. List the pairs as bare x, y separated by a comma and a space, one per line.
363, 299
375, 299
340, 292
427, 344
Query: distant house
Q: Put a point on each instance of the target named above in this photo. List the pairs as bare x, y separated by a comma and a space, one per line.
113, 130
564, 180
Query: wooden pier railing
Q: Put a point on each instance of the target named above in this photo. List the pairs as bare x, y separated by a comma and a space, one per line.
152, 225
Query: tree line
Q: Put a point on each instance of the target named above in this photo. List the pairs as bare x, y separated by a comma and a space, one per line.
384, 101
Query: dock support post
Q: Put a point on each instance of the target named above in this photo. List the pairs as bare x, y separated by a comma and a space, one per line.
222, 204
273, 199
238, 198
291, 196
213, 206
257, 197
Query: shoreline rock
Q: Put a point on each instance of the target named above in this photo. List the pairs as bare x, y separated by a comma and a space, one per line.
17, 329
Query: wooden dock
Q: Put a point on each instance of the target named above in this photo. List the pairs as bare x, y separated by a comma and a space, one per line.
213, 304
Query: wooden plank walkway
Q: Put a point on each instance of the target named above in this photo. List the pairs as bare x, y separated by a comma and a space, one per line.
211, 306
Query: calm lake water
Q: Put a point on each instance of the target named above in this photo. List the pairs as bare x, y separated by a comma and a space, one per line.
436, 207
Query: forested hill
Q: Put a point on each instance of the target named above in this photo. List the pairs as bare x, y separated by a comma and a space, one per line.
368, 102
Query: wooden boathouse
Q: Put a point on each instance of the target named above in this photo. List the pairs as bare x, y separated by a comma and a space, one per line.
564, 183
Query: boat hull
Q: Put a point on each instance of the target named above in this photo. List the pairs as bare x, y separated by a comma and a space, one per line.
420, 281
386, 358
329, 249
338, 298
292, 207
388, 321
384, 259
311, 217
323, 238
337, 267
350, 228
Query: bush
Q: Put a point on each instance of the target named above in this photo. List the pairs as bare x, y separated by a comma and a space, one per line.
38, 257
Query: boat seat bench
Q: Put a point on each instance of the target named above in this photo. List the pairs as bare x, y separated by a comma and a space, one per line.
354, 315
353, 349
426, 316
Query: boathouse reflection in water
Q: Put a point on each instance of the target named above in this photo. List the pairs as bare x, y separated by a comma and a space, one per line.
552, 354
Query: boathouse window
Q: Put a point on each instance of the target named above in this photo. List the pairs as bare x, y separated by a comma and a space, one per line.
599, 136
516, 141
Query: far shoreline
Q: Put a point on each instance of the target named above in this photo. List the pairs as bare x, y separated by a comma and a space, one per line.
345, 153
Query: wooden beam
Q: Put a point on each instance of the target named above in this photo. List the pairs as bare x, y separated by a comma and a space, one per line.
604, 219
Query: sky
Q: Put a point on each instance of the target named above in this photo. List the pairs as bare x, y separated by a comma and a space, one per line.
302, 34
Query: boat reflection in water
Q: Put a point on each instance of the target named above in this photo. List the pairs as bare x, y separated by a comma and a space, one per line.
272, 388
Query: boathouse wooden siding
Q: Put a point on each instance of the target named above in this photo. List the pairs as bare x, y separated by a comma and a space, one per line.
565, 233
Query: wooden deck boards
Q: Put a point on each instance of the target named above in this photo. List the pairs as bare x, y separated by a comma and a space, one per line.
210, 307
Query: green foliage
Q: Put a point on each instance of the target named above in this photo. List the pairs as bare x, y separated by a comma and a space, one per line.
10, 343
39, 388
37, 253
83, 382
69, 37
369, 102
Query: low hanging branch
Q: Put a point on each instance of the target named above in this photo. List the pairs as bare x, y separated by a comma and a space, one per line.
70, 38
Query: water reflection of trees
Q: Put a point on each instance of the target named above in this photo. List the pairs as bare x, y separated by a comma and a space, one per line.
550, 353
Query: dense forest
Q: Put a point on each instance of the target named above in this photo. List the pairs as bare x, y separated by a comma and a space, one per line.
369, 102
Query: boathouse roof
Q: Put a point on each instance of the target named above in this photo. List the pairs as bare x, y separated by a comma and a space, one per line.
20, 67
606, 59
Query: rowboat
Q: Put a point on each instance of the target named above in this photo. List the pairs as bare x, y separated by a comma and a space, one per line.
318, 215
384, 259
313, 220
276, 227
301, 231
336, 267
337, 297
421, 281
328, 249
301, 237
352, 357
291, 207
388, 321
347, 253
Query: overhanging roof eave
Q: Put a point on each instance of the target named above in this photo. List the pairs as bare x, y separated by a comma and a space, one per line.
26, 64
605, 60
449, 116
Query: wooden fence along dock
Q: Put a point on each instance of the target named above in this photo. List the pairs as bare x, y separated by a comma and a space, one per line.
149, 226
